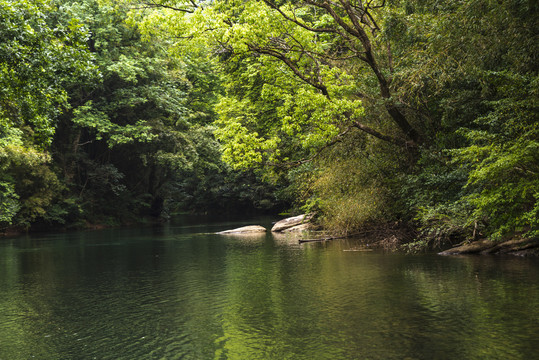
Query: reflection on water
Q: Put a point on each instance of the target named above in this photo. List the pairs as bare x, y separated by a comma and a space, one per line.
180, 292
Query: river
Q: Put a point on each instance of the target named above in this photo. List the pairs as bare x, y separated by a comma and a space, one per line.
179, 292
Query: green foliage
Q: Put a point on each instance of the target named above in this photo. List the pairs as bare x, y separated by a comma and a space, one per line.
142, 135
267, 116
289, 90
434, 198
87, 116
295, 87
38, 58
504, 157
421, 111
351, 188
98, 125
27, 179
9, 203
484, 104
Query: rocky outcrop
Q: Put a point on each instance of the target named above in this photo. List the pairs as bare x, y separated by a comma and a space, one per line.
291, 222
520, 247
251, 229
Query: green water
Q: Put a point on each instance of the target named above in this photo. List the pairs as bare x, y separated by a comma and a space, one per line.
174, 292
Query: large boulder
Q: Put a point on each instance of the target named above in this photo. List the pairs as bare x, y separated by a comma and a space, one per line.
291, 222
251, 229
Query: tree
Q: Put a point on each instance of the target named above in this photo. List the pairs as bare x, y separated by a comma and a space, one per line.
302, 76
502, 149
141, 135
476, 75
130, 134
354, 27
39, 57
316, 62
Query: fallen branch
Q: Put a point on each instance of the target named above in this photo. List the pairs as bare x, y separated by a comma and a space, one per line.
327, 238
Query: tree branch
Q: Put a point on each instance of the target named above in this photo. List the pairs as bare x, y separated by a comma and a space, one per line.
153, 4
379, 135
360, 18
336, 139
297, 22
291, 65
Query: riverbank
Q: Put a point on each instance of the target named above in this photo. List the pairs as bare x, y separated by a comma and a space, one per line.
86, 225
390, 237
398, 236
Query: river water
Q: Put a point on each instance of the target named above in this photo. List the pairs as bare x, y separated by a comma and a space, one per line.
178, 292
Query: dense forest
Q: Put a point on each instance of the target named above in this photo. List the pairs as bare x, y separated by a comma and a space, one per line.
420, 113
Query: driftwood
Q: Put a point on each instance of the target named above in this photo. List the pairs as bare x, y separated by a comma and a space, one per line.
327, 238
520, 247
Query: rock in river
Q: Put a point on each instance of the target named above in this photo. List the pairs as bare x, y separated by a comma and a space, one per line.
251, 229
290, 222
299, 228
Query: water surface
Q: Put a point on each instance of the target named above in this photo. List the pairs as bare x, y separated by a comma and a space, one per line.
177, 292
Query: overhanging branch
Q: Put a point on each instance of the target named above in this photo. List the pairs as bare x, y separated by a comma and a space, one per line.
154, 4
276, 54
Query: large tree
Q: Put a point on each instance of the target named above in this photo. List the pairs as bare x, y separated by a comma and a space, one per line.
301, 76
39, 57
315, 64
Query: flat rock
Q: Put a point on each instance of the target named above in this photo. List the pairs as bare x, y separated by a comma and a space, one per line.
251, 229
291, 222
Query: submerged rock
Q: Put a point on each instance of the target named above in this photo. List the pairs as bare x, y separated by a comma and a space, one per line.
291, 222
251, 229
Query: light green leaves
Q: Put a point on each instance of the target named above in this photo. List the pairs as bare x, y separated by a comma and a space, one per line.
127, 68
37, 60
